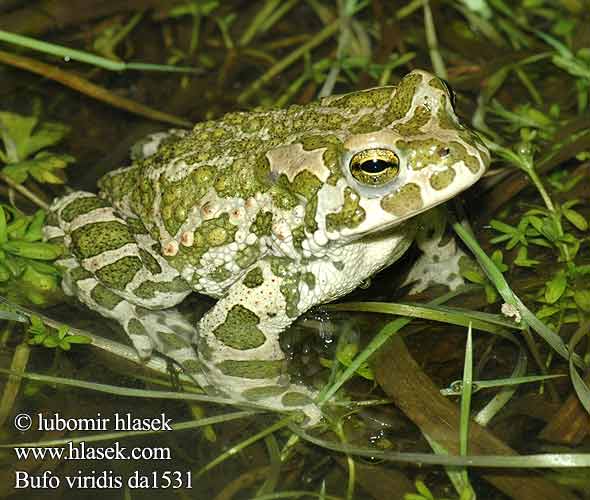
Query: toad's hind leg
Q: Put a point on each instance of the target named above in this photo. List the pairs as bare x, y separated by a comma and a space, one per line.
111, 266
239, 344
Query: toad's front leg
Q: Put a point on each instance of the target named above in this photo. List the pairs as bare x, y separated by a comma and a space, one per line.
238, 341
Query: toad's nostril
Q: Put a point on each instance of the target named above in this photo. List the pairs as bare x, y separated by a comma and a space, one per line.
444, 152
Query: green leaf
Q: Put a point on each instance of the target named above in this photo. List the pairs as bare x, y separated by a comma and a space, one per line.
582, 299
18, 227
555, 288
4, 273
15, 131
423, 490
39, 167
16, 265
64, 345
44, 268
498, 259
471, 271
34, 231
39, 281
22, 137
47, 134
37, 325
78, 339
16, 172
3, 232
523, 260
491, 294
346, 354
547, 311
576, 218
51, 341
536, 222
549, 229
36, 250
62, 331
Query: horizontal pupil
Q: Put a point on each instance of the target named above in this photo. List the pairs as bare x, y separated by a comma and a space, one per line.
375, 166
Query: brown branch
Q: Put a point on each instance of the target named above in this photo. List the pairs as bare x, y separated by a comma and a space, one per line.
417, 396
88, 88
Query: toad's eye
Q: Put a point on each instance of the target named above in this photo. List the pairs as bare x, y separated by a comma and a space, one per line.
374, 167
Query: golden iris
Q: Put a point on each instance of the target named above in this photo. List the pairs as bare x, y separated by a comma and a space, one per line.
374, 167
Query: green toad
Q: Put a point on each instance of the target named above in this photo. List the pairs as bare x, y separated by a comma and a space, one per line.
270, 212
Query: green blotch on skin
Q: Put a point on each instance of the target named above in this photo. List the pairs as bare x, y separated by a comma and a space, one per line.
296, 399
367, 123
306, 184
96, 238
311, 209
240, 329
282, 267
253, 278
238, 181
148, 289
150, 262
119, 273
251, 369
117, 185
211, 233
136, 226
446, 120
355, 101
423, 152
135, 327
52, 219
282, 196
401, 102
436, 83
104, 297
331, 156
203, 177
404, 201
338, 265
79, 274
248, 256
298, 235
290, 290
309, 279
173, 341
350, 215
180, 196
81, 206
220, 274
144, 197
420, 118
217, 236
134, 186
260, 393
459, 152
203, 349
441, 180
262, 224
192, 365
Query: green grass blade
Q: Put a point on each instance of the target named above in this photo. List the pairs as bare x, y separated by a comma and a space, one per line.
86, 57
